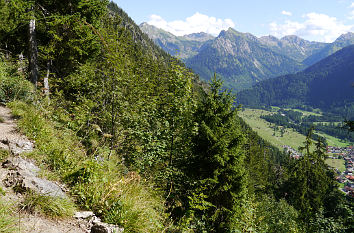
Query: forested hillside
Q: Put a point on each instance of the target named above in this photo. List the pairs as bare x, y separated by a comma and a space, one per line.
136, 138
327, 85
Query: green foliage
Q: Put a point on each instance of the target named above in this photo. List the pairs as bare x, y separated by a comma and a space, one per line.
13, 86
217, 166
310, 181
322, 224
98, 185
129, 131
54, 207
3, 154
7, 222
277, 216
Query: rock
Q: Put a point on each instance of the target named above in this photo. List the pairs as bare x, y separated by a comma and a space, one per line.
20, 146
23, 176
84, 214
100, 227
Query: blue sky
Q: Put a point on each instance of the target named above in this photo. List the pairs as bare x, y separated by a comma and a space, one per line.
318, 20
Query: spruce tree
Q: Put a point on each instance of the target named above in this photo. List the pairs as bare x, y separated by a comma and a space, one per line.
310, 180
218, 164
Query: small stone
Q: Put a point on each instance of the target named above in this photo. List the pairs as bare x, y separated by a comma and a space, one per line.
84, 214
101, 227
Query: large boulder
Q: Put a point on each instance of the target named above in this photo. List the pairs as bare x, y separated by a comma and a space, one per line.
23, 176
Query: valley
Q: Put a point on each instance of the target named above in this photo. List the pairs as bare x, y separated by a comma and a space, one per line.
141, 129
280, 135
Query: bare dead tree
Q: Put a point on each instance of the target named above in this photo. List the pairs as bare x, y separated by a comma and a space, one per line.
33, 52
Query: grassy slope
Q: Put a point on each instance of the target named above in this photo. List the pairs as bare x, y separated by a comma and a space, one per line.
262, 127
102, 187
332, 141
291, 137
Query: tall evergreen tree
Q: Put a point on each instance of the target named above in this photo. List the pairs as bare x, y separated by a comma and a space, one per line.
310, 180
218, 164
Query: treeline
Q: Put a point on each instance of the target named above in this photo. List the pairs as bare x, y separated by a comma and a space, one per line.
132, 105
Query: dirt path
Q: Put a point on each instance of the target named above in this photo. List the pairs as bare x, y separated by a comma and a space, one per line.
8, 130
28, 223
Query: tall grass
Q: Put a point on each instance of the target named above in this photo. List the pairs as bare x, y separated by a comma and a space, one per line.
7, 222
104, 186
49, 206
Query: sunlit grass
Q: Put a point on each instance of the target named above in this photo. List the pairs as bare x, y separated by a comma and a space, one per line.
336, 163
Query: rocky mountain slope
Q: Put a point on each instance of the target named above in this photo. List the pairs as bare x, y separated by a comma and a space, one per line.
240, 60
292, 46
341, 42
179, 46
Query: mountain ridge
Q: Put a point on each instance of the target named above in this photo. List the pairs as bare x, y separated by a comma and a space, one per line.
242, 59
328, 85
179, 46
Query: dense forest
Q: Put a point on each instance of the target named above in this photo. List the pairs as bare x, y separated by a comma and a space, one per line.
140, 141
327, 85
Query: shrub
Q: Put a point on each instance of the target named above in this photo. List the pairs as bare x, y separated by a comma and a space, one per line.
13, 86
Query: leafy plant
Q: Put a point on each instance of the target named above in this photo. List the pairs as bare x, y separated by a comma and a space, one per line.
12, 86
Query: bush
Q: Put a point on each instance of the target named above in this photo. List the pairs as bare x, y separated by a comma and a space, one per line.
13, 86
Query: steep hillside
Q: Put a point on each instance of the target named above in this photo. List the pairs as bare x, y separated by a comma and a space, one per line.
292, 46
240, 60
179, 46
327, 85
341, 42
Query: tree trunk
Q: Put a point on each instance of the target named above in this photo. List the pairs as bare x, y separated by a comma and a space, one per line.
46, 80
33, 52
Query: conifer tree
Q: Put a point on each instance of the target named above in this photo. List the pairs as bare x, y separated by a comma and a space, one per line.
310, 180
218, 164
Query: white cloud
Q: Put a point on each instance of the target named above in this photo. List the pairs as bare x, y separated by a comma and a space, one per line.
351, 14
316, 26
288, 13
194, 24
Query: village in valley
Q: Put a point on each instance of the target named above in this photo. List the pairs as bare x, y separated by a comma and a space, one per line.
345, 178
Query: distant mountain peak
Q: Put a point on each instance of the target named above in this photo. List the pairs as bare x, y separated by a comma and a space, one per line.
292, 38
345, 37
199, 36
